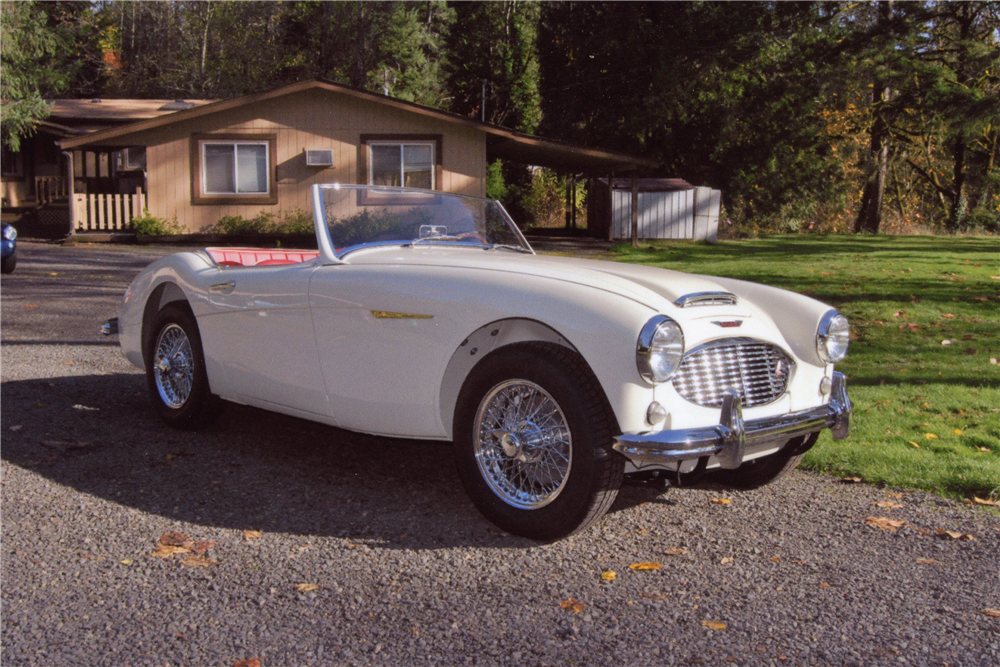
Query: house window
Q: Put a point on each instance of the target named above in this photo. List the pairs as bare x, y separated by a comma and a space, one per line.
11, 163
234, 168
132, 158
407, 164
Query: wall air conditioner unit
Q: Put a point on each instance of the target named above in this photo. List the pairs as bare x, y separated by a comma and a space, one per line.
319, 157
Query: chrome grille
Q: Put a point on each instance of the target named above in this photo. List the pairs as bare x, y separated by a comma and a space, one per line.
758, 371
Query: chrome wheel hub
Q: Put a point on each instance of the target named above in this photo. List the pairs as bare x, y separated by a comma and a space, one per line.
173, 366
522, 444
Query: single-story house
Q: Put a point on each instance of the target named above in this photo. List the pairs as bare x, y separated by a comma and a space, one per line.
262, 152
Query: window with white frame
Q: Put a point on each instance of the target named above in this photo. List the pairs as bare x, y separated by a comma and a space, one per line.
407, 164
235, 167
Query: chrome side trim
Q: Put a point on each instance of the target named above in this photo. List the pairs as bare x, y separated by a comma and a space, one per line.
706, 299
110, 328
729, 439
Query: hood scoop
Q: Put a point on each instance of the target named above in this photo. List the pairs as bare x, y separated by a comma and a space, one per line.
706, 299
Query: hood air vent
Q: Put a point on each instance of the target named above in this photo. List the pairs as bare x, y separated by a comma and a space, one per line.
706, 299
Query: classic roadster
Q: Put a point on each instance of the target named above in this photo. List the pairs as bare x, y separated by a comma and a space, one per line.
421, 314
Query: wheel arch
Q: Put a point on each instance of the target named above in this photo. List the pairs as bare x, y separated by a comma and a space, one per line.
481, 342
163, 294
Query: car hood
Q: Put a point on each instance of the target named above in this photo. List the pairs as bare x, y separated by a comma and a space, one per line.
653, 287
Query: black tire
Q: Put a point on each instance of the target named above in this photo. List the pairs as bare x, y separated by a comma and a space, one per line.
761, 472
9, 263
180, 391
593, 470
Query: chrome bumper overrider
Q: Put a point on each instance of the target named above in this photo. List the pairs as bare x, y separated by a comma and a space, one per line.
110, 328
729, 440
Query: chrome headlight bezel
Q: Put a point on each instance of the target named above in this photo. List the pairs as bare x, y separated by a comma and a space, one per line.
9, 233
833, 336
659, 350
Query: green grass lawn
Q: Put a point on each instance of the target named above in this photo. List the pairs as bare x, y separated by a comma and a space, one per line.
926, 414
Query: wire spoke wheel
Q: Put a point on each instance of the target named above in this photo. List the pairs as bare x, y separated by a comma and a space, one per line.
522, 444
173, 366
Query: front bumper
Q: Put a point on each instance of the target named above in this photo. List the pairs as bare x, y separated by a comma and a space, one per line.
729, 440
7, 248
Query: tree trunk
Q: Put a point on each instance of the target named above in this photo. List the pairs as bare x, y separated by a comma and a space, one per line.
870, 214
956, 211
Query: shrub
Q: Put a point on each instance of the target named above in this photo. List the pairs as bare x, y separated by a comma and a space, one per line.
150, 225
296, 222
237, 224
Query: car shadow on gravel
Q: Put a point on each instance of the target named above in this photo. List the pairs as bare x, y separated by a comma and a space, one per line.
250, 470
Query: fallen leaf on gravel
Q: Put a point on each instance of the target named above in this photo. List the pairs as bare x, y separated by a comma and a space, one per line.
715, 625
573, 605
608, 575
252, 662
30, 305
644, 566
202, 547
776, 559
955, 535
992, 612
885, 523
928, 561
16, 427
888, 504
914, 444
823, 584
852, 480
983, 501
175, 539
305, 588
722, 501
897, 496
126, 561
726, 560
166, 551
675, 551
253, 534
197, 560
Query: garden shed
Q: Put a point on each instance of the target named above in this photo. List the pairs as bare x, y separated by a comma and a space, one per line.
669, 208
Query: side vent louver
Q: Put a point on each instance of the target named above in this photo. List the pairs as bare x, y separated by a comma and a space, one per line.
706, 299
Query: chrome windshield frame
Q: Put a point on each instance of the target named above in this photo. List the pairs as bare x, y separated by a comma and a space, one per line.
325, 242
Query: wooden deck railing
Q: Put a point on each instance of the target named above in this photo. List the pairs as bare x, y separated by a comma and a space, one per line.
112, 213
51, 188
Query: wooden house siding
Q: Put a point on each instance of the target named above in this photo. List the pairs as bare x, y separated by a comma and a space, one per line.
314, 119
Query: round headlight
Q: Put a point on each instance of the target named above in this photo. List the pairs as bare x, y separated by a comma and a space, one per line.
660, 349
832, 337
9, 233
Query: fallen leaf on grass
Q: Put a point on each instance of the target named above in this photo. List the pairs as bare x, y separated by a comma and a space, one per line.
955, 535
608, 575
983, 449
852, 480
885, 523
253, 534
644, 566
722, 501
573, 605
888, 504
251, 662
914, 444
957, 431
931, 436
946, 342
948, 316
305, 588
995, 613
199, 560
715, 625
899, 313
675, 551
929, 561
984, 501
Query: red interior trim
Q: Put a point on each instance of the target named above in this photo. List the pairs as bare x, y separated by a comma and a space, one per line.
259, 256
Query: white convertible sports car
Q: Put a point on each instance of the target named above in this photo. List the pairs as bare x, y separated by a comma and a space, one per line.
427, 315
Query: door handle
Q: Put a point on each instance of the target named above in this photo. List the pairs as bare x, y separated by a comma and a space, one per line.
223, 288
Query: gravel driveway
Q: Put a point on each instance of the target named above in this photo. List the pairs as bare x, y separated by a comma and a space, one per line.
405, 570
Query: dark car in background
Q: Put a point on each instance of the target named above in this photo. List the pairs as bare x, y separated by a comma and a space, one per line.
9, 253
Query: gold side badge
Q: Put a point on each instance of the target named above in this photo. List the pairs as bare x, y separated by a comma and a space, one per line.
386, 315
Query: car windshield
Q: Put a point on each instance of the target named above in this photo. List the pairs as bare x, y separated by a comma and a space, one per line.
360, 216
